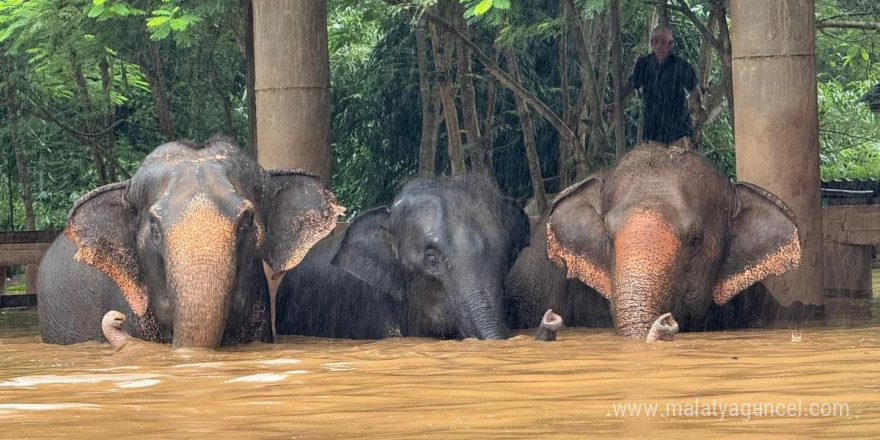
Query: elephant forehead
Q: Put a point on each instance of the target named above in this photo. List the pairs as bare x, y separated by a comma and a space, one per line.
179, 181
202, 217
647, 235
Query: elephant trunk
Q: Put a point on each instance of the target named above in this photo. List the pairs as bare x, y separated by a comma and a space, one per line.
201, 271
481, 315
487, 317
646, 251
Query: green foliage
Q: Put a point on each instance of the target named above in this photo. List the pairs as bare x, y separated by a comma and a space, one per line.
849, 132
376, 105
481, 7
589, 8
17, 288
171, 19
47, 44
103, 10
53, 50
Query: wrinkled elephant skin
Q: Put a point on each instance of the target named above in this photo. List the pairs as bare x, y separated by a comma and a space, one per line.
431, 264
179, 248
661, 231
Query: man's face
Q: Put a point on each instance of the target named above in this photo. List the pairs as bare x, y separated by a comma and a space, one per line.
661, 44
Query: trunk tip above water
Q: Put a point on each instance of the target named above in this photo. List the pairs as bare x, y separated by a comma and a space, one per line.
550, 323
664, 329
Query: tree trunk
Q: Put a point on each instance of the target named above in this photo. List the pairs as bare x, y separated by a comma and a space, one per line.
662, 15
564, 170
528, 139
150, 63
227, 112
587, 37
616, 78
250, 93
82, 94
721, 43
468, 97
491, 96
109, 120
704, 63
428, 144
726, 57
24, 178
442, 64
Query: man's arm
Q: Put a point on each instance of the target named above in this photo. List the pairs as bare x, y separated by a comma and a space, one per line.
627, 90
696, 96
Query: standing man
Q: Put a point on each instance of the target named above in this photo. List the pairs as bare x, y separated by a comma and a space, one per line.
664, 78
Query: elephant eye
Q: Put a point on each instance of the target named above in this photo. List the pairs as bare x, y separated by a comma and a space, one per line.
432, 259
154, 229
245, 222
695, 241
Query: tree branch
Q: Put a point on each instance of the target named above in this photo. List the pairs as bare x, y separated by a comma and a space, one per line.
842, 24
505, 79
684, 9
77, 134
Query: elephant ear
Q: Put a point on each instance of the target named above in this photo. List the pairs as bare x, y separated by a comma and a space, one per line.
516, 222
576, 236
368, 252
301, 211
102, 225
763, 241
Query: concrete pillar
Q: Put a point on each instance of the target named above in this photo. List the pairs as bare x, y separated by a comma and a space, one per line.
292, 84
777, 138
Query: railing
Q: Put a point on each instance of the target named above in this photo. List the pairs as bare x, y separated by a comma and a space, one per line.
23, 248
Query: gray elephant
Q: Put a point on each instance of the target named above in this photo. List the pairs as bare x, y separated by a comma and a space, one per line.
179, 248
430, 264
662, 231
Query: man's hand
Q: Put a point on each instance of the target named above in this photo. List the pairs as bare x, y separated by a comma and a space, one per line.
698, 111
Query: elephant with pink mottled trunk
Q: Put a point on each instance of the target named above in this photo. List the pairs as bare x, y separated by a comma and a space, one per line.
179, 248
660, 232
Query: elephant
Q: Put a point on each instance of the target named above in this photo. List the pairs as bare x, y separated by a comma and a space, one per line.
661, 231
179, 248
430, 264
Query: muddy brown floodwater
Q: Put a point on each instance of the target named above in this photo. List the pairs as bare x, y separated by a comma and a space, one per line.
703, 386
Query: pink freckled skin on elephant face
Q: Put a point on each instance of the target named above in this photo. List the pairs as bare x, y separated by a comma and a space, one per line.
577, 266
115, 263
646, 250
200, 252
776, 264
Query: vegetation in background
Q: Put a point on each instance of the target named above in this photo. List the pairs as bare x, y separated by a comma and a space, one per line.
89, 87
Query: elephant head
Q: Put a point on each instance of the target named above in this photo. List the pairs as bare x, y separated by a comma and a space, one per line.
184, 239
664, 232
442, 248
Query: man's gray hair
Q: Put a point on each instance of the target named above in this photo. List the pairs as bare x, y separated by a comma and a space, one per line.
661, 29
